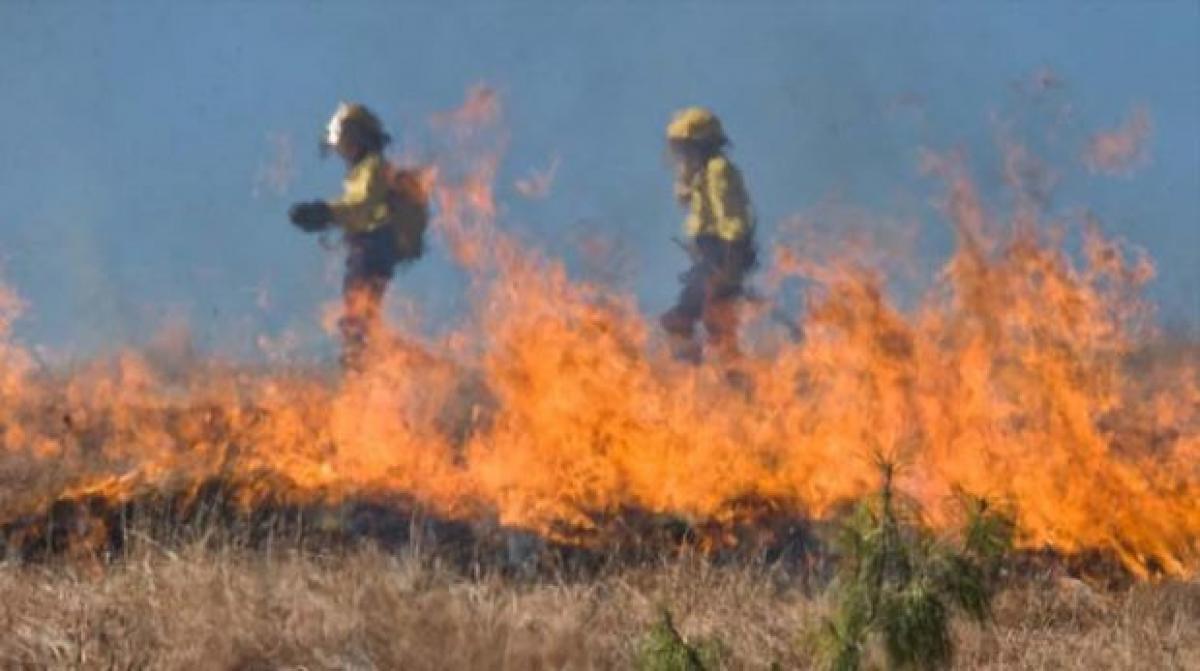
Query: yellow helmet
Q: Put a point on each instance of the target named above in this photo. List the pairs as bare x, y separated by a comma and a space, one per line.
695, 124
357, 119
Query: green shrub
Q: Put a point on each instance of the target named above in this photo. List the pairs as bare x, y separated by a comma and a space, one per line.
898, 584
664, 649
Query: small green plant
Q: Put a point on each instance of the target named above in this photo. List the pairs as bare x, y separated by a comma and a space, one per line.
898, 584
664, 649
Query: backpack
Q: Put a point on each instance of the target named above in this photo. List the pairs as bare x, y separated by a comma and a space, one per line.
408, 199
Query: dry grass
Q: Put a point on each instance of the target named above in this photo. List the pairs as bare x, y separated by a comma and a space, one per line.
202, 608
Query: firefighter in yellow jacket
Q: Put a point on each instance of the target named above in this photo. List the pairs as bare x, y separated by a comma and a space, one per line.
718, 234
382, 215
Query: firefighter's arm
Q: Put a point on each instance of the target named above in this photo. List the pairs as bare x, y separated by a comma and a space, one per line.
312, 216
730, 205
364, 194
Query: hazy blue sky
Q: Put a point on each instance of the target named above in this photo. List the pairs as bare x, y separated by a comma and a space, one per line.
131, 133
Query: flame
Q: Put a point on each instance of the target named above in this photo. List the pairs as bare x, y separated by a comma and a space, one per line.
536, 185
1121, 150
555, 404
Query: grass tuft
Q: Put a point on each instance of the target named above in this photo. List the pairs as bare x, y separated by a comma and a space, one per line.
664, 649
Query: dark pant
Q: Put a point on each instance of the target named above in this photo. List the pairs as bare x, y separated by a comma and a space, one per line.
370, 263
710, 294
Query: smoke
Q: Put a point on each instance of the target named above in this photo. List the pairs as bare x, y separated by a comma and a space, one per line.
1122, 150
536, 185
1041, 81
14, 362
277, 173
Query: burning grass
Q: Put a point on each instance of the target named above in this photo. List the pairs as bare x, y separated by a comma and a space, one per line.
527, 486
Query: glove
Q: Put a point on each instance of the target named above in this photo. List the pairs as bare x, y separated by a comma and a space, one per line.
311, 217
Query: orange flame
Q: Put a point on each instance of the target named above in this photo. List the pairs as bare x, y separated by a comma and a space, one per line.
1012, 379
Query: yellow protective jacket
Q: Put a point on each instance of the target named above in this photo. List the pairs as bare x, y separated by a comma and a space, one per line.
717, 202
365, 203
376, 195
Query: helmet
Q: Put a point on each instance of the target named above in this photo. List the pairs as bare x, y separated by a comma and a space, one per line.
696, 124
360, 123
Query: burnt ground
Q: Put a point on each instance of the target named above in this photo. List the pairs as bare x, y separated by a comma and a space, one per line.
94, 527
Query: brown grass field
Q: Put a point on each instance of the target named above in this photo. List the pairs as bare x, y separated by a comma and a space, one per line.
209, 605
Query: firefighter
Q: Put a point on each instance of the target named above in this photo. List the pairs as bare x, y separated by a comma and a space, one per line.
718, 235
382, 215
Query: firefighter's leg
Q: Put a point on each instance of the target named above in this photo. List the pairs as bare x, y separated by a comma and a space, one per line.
721, 324
360, 318
361, 295
370, 265
720, 318
680, 321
